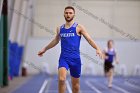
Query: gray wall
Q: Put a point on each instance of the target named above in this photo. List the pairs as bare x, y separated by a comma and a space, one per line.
96, 15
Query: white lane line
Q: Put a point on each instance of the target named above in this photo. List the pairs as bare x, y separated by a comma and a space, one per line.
92, 87
131, 85
43, 86
121, 89
68, 86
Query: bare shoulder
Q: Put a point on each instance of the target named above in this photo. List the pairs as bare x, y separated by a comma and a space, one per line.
81, 28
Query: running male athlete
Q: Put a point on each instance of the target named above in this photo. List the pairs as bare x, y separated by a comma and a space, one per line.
70, 34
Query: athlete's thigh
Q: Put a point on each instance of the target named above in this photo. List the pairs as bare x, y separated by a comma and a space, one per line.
75, 81
62, 72
75, 68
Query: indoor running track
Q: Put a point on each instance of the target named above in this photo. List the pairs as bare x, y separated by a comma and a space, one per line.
42, 83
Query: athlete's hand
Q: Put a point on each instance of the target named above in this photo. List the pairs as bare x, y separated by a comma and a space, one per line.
106, 57
98, 52
41, 52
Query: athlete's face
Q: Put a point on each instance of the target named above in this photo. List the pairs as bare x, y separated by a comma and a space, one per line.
69, 15
110, 44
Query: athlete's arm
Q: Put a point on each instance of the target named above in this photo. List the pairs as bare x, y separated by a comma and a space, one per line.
83, 32
104, 54
116, 58
53, 43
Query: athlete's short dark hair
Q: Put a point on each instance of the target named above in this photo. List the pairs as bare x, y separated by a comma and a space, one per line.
70, 7
108, 42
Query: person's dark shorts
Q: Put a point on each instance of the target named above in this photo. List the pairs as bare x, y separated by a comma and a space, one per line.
107, 66
72, 64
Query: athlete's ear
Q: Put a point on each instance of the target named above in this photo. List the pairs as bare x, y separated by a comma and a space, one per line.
64, 15
74, 15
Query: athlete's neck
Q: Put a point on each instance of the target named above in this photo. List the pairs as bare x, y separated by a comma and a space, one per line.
110, 48
69, 24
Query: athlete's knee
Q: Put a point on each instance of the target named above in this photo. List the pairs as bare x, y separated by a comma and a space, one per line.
62, 80
76, 87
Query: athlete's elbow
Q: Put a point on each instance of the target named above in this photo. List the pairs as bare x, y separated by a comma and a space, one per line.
56, 41
89, 41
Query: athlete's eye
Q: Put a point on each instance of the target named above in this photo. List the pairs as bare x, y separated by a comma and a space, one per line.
68, 12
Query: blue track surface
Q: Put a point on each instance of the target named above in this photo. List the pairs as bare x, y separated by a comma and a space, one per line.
32, 85
88, 84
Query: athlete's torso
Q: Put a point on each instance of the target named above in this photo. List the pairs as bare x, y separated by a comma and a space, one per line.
110, 53
70, 41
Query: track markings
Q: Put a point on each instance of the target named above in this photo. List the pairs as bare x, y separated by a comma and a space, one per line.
120, 89
92, 87
68, 86
43, 86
